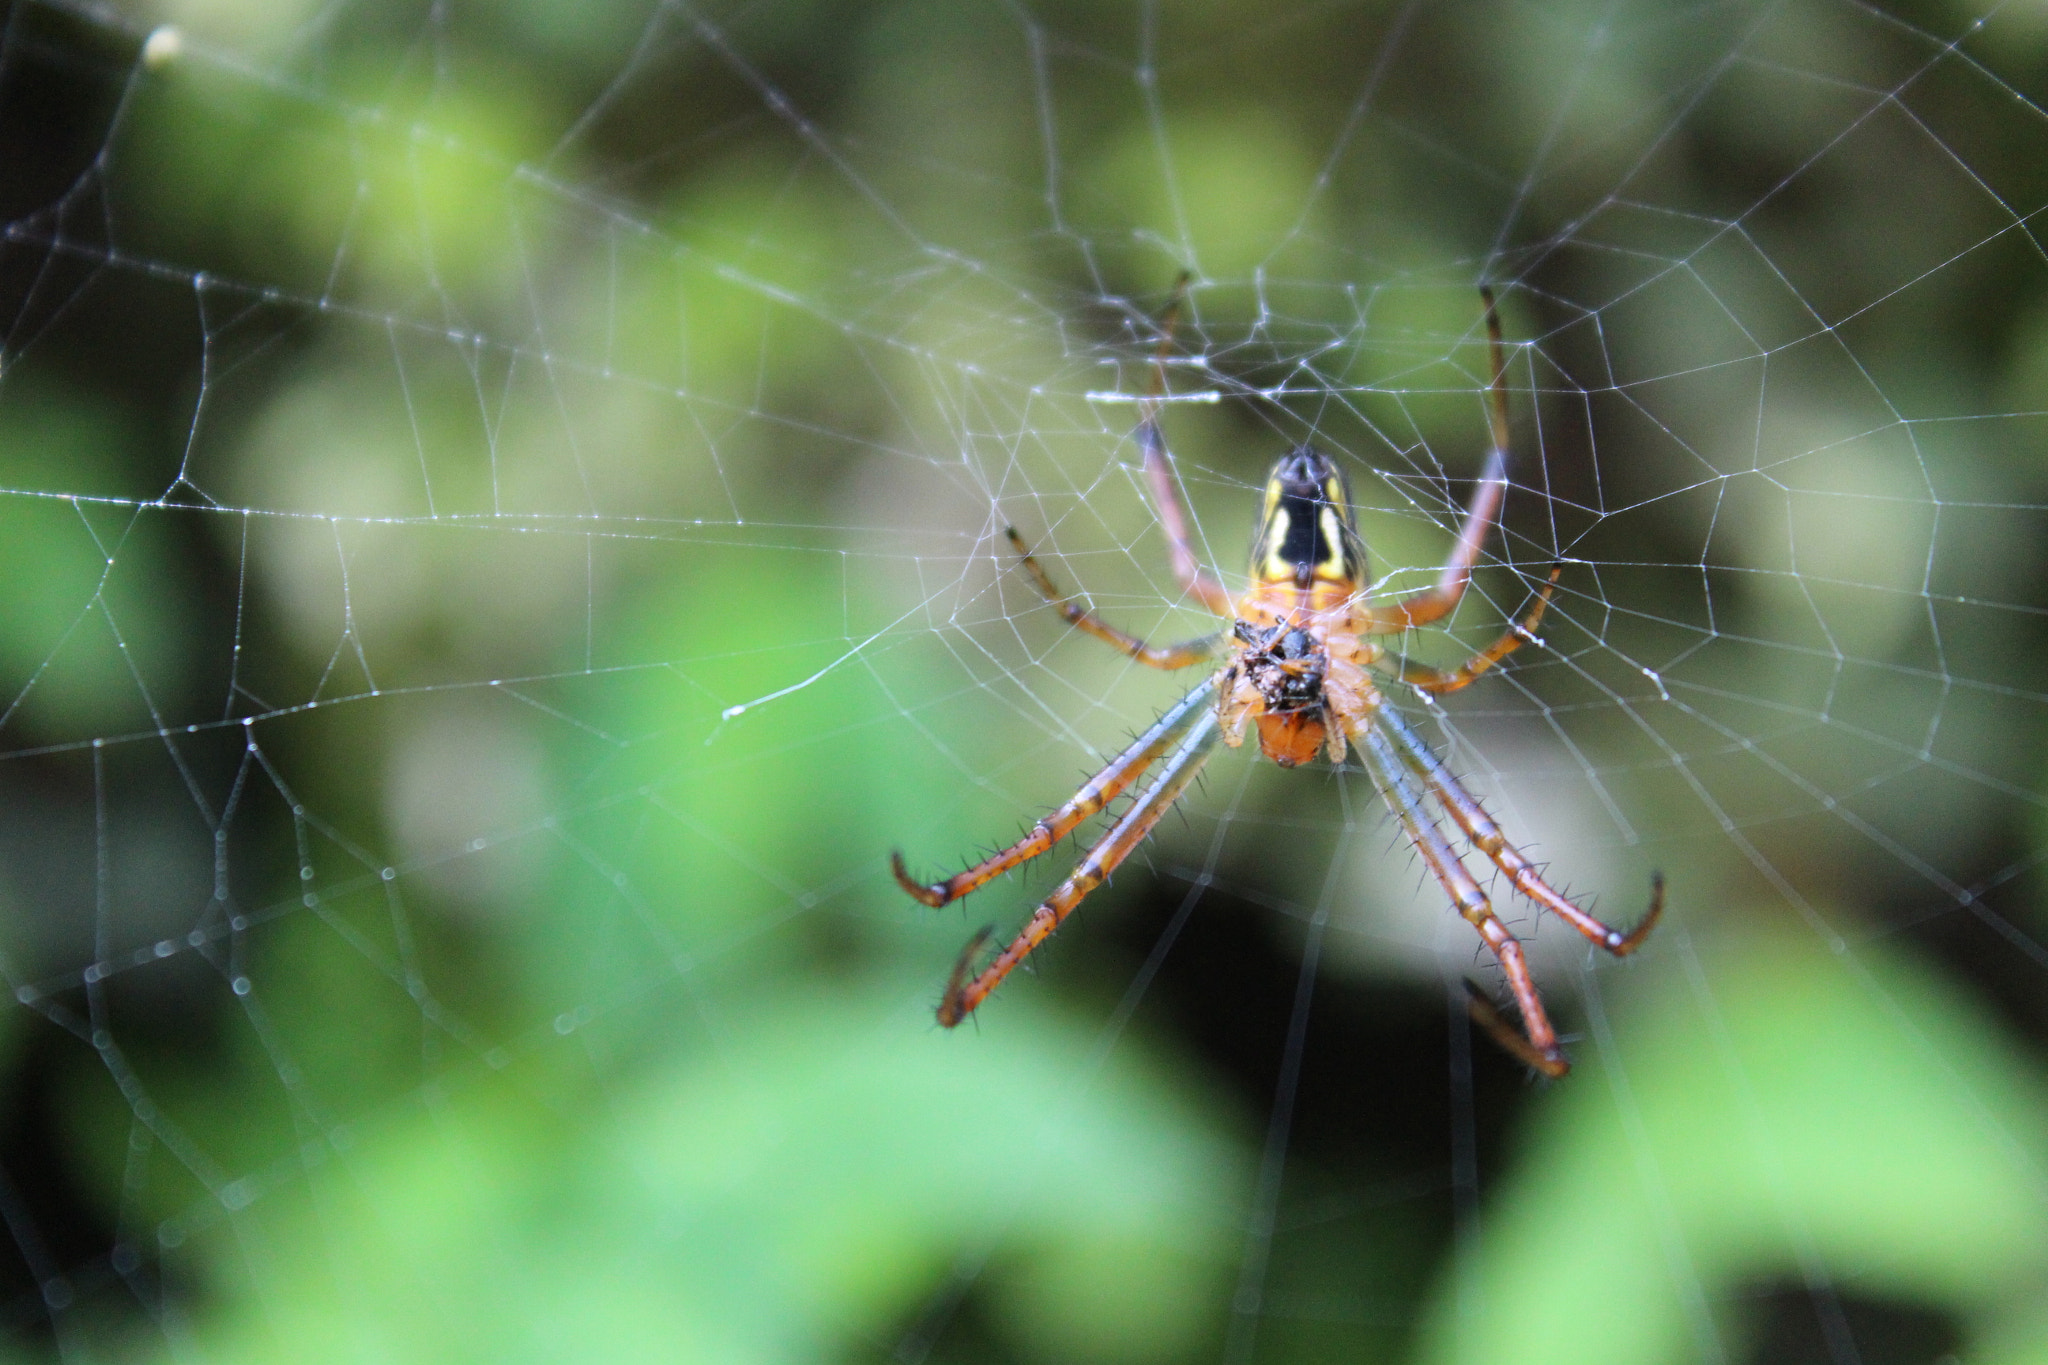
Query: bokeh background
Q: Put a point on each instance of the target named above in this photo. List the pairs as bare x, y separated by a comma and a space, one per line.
500, 534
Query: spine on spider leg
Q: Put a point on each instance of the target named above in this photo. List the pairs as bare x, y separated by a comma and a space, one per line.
1483, 1012
963, 995
963, 972
1539, 1045
1486, 836
1126, 768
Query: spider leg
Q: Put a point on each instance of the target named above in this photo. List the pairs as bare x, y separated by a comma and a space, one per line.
1437, 681
1539, 1049
1152, 656
1480, 517
1479, 827
1483, 1012
963, 993
1173, 517
1097, 792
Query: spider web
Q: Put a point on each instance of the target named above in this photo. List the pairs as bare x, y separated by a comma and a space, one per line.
505, 525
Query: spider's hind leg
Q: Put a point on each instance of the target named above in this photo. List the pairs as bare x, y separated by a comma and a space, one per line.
1482, 514
1159, 472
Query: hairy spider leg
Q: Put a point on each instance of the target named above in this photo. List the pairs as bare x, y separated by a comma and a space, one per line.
1539, 1049
1479, 1007
1097, 792
1152, 656
1437, 681
1173, 516
1486, 836
1480, 517
962, 995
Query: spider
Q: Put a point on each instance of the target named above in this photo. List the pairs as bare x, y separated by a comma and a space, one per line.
1297, 665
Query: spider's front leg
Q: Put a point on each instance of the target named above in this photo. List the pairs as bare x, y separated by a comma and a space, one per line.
1097, 792
967, 988
1537, 1044
1486, 836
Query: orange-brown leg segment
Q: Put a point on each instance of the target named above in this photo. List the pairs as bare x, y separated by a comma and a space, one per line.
1540, 1048
1097, 792
1173, 516
1479, 827
1152, 656
1483, 1012
1437, 602
965, 992
1437, 682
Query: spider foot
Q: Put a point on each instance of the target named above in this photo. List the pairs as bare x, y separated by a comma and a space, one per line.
933, 895
953, 1006
1620, 944
1549, 1061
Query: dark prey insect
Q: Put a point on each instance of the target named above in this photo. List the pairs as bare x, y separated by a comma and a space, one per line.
1297, 665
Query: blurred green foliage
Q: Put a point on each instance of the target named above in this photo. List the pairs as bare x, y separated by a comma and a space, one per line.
573, 438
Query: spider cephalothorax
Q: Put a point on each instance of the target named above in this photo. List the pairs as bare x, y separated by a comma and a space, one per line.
1277, 677
1298, 663
1284, 663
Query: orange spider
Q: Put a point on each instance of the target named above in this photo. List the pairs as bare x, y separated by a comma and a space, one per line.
1298, 665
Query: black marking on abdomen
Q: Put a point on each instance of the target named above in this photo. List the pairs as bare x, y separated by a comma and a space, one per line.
1307, 531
